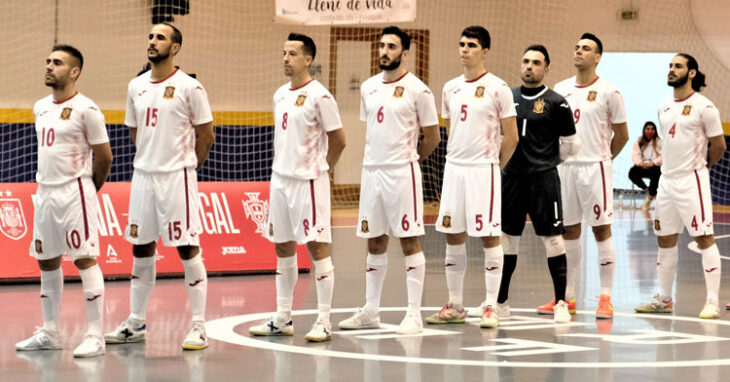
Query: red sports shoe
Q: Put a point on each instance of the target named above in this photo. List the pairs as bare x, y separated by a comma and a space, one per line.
548, 308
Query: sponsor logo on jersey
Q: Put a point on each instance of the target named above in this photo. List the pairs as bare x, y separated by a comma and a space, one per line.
657, 226
539, 106
592, 96
364, 227
169, 92
133, 228
687, 109
479, 93
257, 210
446, 221
65, 113
300, 100
38, 246
12, 220
398, 92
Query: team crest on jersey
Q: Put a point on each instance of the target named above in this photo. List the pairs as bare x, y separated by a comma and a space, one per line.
446, 221
169, 92
592, 96
12, 220
65, 113
657, 226
300, 100
364, 226
479, 93
38, 247
687, 109
398, 92
539, 106
133, 231
257, 210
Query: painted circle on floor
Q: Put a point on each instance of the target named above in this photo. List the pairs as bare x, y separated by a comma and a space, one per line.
509, 349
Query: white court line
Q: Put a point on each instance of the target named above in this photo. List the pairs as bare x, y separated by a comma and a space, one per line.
692, 246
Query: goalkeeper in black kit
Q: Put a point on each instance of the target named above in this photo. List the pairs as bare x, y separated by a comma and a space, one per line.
530, 182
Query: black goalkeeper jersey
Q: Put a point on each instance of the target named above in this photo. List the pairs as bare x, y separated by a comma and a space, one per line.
542, 118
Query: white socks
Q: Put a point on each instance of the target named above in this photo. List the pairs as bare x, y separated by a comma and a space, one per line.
666, 269
196, 282
144, 273
377, 268
325, 278
287, 275
51, 291
606, 264
455, 264
92, 283
415, 273
493, 262
713, 271
572, 257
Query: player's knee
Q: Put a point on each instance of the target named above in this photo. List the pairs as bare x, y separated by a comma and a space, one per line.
144, 250
286, 249
85, 262
317, 250
410, 245
572, 232
554, 245
705, 241
667, 241
50, 264
490, 241
187, 252
602, 232
510, 244
378, 245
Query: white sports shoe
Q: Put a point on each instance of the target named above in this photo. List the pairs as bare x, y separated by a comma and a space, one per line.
273, 327
561, 313
476, 312
127, 332
196, 338
490, 318
321, 331
502, 311
711, 310
360, 320
42, 339
91, 346
411, 324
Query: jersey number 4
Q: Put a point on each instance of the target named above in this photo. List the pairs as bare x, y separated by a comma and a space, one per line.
673, 130
151, 119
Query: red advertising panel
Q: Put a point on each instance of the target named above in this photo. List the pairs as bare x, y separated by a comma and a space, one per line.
233, 215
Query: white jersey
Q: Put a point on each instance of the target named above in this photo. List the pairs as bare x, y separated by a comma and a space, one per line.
66, 130
686, 125
475, 109
164, 113
395, 111
302, 119
596, 107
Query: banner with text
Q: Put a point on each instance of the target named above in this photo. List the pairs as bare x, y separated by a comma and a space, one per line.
330, 12
233, 216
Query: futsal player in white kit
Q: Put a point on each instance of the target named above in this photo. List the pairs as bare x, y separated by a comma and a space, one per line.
166, 109
397, 107
479, 108
70, 127
688, 122
586, 179
308, 141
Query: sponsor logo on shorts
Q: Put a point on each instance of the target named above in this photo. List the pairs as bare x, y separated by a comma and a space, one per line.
12, 220
38, 247
539, 106
557, 223
364, 227
687, 109
169, 92
233, 251
592, 96
479, 93
446, 221
300, 100
133, 228
657, 226
65, 114
398, 92
257, 210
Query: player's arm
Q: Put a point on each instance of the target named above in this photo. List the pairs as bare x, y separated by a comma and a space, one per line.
447, 126
431, 139
203, 142
102, 163
133, 135
716, 150
620, 137
509, 142
335, 146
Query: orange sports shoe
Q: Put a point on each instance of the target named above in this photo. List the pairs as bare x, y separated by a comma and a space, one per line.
605, 308
548, 308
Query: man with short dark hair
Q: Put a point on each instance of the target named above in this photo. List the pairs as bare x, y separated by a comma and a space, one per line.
70, 128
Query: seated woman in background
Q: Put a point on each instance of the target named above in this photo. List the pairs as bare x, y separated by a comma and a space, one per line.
647, 158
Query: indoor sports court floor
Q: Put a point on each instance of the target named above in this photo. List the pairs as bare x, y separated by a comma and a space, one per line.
678, 347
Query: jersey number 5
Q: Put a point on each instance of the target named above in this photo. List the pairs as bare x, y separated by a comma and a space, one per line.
463, 113
151, 119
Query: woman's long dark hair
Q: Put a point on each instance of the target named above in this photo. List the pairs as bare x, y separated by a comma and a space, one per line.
643, 141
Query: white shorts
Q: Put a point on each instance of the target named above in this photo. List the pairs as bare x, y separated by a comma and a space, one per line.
587, 193
391, 200
299, 210
164, 204
66, 221
684, 201
471, 200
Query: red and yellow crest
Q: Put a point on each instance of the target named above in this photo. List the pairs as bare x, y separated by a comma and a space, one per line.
592, 96
66, 113
169, 92
398, 92
687, 109
479, 93
539, 106
133, 228
300, 100
364, 227
446, 221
